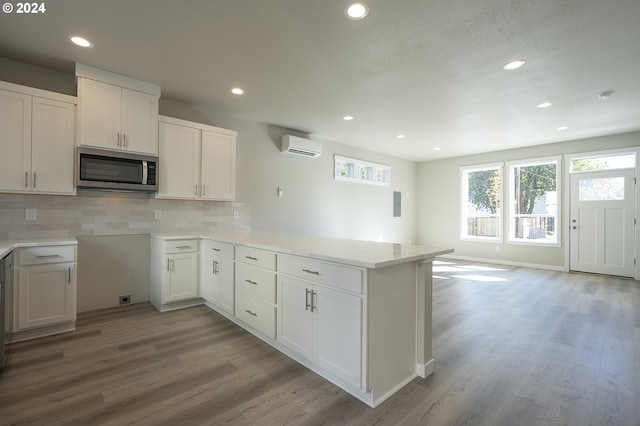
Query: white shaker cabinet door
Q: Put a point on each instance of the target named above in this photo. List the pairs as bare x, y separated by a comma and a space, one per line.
219, 287
139, 122
295, 319
99, 114
46, 295
337, 333
52, 148
179, 161
218, 166
15, 139
182, 277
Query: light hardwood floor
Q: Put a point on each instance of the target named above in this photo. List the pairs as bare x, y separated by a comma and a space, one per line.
513, 346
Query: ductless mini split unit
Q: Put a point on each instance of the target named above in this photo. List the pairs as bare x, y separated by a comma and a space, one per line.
300, 146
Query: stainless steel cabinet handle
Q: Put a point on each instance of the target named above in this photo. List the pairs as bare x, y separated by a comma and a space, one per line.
314, 306
69, 282
124, 141
118, 141
204, 190
168, 264
251, 258
26, 179
306, 299
251, 313
48, 256
215, 249
34, 179
308, 271
183, 247
251, 282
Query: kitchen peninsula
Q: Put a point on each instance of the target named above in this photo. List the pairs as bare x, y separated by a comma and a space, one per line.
358, 313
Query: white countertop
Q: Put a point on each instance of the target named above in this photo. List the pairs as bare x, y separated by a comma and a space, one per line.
367, 254
7, 245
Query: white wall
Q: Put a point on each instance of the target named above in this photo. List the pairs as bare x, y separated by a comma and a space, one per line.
438, 206
313, 203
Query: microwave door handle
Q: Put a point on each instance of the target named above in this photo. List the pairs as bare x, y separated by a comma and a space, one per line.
145, 172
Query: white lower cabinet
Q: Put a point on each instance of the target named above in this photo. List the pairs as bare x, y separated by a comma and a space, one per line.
256, 289
44, 288
174, 273
181, 277
323, 325
217, 274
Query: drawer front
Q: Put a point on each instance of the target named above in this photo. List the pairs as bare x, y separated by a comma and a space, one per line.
46, 254
181, 246
257, 282
216, 247
262, 258
256, 313
332, 274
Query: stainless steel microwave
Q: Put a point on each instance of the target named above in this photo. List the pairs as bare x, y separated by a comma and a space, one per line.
103, 169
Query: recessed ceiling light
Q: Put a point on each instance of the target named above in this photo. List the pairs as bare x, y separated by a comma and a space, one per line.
561, 128
237, 91
347, 118
401, 136
356, 11
544, 105
80, 41
513, 65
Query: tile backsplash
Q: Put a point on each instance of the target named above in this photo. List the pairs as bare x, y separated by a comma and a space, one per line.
102, 213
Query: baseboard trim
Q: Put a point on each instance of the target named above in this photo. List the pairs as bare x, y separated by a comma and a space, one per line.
505, 262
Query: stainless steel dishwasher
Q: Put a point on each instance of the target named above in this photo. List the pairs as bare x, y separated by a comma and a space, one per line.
6, 280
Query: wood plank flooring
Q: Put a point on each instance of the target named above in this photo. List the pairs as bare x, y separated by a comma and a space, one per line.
513, 346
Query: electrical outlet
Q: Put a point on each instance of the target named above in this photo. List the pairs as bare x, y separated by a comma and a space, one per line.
30, 214
236, 214
125, 299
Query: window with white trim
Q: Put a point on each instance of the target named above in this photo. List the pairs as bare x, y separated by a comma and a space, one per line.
352, 170
534, 186
481, 202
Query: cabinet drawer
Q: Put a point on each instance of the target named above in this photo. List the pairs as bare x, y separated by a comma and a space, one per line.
180, 246
262, 258
332, 274
257, 282
217, 248
256, 313
46, 254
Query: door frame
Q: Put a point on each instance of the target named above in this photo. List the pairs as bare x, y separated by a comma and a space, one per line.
566, 219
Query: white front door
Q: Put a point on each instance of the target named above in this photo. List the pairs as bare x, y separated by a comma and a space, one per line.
602, 222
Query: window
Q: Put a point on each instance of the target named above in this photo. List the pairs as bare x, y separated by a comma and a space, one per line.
481, 202
351, 170
533, 201
608, 162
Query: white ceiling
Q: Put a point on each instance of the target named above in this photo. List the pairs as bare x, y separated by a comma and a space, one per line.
428, 69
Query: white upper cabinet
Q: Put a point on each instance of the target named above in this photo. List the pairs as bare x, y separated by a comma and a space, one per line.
218, 167
179, 159
197, 162
116, 112
37, 139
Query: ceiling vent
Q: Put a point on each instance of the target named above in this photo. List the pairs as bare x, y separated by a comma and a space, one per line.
300, 146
